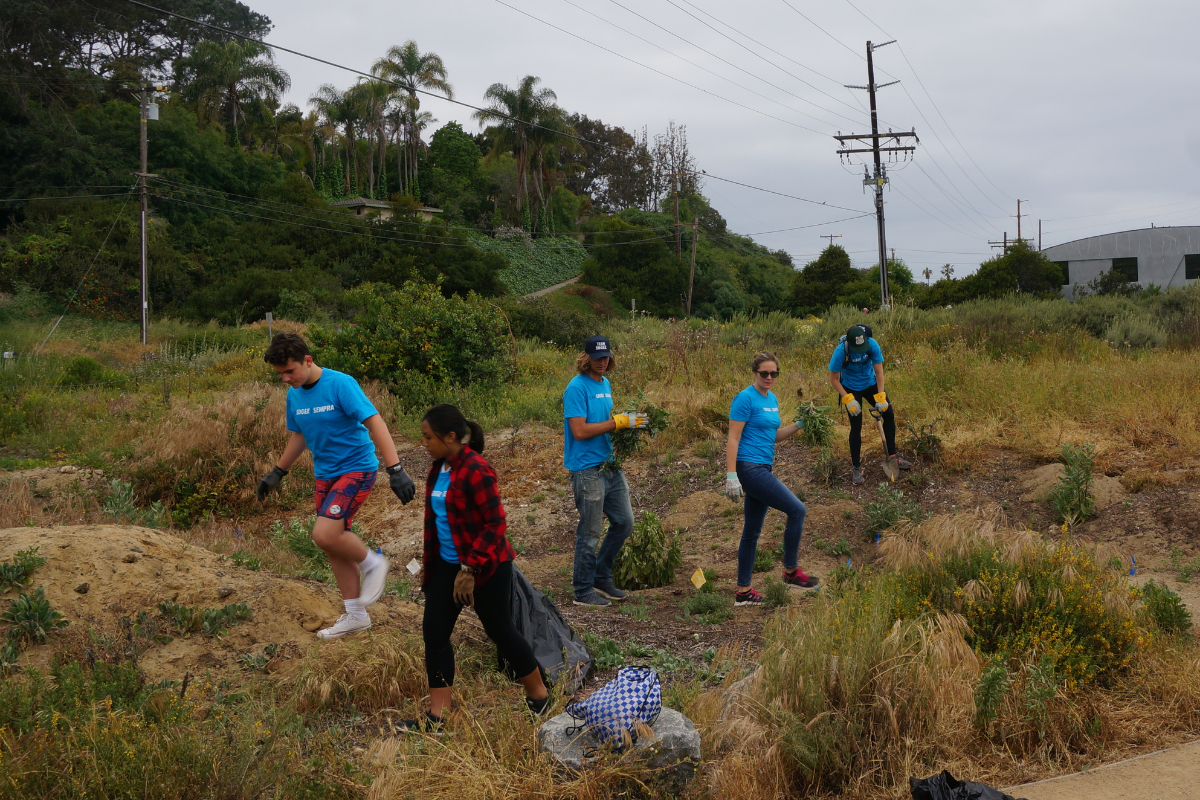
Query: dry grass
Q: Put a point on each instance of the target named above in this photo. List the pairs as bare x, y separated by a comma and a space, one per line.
373, 673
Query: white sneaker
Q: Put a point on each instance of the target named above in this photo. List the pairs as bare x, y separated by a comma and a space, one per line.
372, 581
345, 626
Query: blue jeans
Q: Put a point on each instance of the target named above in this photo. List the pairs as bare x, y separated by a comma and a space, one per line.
763, 490
597, 494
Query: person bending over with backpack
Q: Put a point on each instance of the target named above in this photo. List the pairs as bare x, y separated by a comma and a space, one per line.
856, 372
328, 413
467, 562
754, 428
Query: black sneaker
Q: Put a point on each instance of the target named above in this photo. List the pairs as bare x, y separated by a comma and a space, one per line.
748, 598
428, 725
609, 589
591, 599
538, 707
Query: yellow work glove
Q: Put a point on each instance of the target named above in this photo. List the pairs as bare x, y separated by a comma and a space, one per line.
881, 402
853, 407
637, 421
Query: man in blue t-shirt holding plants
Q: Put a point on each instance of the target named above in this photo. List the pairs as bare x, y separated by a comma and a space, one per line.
328, 414
856, 372
587, 422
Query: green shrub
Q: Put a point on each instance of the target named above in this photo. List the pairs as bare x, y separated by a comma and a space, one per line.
889, 507
538, 318
629, 442
122, 505
533, 264
649, 557
710, 608
15, 574
31, 618
1165, 608
209, 621
85, 371
776, 593
418, 342
825, 465
295, 536
241, 558
818, 425
1072, 498
606, 653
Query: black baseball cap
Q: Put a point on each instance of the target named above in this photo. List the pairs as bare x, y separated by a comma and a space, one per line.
597, 347
856, 339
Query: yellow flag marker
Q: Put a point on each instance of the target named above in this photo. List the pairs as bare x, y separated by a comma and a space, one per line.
698, 578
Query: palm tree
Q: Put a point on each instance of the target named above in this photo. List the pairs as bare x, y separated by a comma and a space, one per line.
515, 112
370, 99
223, 78
552, 134
411, 70
338, 108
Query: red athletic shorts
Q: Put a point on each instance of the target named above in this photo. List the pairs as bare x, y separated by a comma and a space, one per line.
342, 497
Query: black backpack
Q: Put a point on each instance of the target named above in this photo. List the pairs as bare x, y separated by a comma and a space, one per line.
842, 340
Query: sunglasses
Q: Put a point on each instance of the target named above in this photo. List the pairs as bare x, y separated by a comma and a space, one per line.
762, 373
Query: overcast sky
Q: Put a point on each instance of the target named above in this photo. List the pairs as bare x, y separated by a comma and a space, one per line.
1085, 110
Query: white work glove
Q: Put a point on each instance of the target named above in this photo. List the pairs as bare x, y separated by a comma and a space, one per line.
733, 487
637, 421
853, 407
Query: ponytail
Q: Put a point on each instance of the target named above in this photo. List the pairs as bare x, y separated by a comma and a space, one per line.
445, 419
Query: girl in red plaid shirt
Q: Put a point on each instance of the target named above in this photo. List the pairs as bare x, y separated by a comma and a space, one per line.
468, 562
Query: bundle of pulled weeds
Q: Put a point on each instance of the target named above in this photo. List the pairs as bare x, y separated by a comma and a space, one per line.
996, 653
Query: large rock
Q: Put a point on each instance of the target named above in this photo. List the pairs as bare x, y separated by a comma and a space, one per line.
674, 750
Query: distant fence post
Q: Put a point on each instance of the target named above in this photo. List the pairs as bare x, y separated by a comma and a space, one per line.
270, 319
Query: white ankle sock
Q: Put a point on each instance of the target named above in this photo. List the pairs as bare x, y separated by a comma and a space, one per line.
355, 608
371, 560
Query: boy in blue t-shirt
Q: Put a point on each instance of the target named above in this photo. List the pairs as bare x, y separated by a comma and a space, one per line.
587, 422
328, 414
856, 372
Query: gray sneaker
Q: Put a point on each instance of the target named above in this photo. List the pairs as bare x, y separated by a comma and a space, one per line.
856, 476
609, 589
591, 599
901, 462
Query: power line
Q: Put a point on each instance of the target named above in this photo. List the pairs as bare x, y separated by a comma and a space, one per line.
354, 71
656, 71
822, 30
765, 59
88, 271
59, 197
705, 51
1125, 211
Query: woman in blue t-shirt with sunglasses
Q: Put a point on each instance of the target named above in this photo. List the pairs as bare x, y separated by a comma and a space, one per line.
754, 428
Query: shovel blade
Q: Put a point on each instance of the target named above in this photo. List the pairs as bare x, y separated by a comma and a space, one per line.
891, 469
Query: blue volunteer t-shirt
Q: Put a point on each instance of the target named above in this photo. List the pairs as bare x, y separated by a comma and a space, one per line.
591, 399
437, 499
761, 415
859, 373
330, 415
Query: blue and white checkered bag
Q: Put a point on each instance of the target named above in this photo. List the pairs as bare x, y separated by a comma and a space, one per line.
613, 709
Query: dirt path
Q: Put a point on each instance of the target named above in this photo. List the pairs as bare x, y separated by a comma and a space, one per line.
553, 288
1165, 775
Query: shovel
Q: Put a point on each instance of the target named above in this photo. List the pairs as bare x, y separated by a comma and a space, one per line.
890, 468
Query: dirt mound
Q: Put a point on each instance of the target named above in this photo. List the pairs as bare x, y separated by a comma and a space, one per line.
1038, 483
96, 574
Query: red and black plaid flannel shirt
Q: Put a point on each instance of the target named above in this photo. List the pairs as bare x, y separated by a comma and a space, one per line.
475, 513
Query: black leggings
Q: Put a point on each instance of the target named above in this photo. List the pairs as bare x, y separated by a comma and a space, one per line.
866, 397
493, 604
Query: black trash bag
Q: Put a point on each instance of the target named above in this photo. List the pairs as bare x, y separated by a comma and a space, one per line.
945, 787
560, 653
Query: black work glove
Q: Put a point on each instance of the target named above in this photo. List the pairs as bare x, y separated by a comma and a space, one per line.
400, 483
269, 482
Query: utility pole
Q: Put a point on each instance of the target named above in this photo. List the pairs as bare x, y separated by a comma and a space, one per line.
692, 273
144, 103
1003, 244
1039, 236
1019, 215
678, 235
831, 237
879, 178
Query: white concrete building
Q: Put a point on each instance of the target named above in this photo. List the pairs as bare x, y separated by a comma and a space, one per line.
1162, 256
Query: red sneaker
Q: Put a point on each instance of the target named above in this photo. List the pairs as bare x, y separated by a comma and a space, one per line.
800, 580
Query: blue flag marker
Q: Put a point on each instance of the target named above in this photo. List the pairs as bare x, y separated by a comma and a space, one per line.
878, 536
1133, 565
849, 564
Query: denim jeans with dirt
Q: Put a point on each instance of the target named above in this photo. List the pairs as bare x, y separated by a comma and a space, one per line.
597, 494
